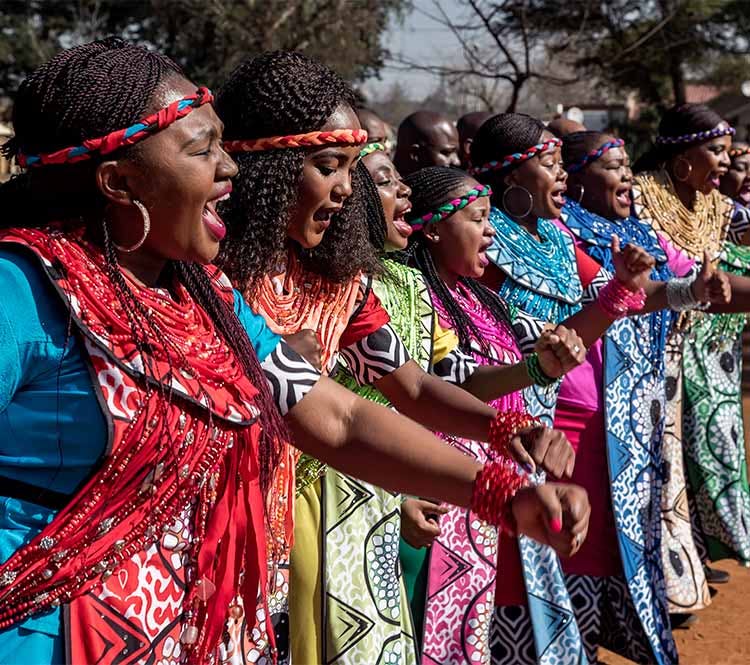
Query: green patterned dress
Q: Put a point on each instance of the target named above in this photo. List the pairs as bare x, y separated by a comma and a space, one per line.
712, 425
368, 617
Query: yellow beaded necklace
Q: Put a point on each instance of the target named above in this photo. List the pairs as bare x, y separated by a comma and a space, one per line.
692, 231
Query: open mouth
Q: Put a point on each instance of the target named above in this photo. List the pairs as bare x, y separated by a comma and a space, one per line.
622, 196
483, 259
558, 197
214, 223
400, 223
744, 194
324, 216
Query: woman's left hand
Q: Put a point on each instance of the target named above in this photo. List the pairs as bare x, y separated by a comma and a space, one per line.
711, 285
559, 350
633, 265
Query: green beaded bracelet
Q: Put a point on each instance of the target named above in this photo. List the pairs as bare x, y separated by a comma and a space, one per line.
536, 372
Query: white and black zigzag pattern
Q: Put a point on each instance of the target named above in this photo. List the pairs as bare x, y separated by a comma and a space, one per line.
527, 329
739, 225
591, 292
290, 376
456, 367
375, 356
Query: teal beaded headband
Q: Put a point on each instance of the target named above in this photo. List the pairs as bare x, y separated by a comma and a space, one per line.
447, 209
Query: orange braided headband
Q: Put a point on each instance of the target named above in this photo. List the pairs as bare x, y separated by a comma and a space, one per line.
334, 137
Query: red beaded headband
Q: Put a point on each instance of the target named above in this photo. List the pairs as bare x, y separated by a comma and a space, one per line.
516, 157
333, 137
122, 137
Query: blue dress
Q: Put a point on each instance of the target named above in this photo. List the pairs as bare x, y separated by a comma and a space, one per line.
53, 430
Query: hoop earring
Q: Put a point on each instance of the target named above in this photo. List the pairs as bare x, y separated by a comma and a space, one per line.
505, 203
146, 228
580, 196
689, 169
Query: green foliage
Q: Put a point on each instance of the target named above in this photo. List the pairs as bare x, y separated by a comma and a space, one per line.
650, 46
207, 37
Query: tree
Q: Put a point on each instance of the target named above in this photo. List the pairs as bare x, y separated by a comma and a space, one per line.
207, 37
650, 46
500, 52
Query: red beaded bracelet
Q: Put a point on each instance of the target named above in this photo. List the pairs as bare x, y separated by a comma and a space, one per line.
494, 487
615, 299
505, 426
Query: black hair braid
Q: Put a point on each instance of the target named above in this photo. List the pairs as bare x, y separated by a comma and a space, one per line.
377, 227
432, 187
275, 94
678, 121
85, 92
502, 135
576, 145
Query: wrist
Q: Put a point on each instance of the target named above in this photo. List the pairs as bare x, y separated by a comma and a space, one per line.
505, 426
618, 299
681, 295
536, 372
495, 486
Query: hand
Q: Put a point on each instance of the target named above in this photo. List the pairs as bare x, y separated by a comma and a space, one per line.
543, 448
553, 514
711, 285
419, 521
633, 265
305, 342
559, 351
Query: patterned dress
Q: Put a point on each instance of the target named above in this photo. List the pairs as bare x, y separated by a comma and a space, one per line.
713, 427
542, 284
629, 616
655, 203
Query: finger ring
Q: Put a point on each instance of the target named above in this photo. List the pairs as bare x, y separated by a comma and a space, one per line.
576, 348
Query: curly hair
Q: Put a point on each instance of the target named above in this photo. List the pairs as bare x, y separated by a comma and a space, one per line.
432, 187
274, 94
501, 135
677, 121
85, 92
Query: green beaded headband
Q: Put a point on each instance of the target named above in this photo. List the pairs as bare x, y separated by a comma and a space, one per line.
447, 209
370, 148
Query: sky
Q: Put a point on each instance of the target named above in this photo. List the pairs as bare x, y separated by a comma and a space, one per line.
421, 39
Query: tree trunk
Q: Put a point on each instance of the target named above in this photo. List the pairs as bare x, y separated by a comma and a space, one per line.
517, 85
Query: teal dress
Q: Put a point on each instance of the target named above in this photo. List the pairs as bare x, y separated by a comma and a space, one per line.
53, 430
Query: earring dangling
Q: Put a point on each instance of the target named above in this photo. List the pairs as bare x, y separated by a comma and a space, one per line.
579, 198
689, 169
146, 228
507, 208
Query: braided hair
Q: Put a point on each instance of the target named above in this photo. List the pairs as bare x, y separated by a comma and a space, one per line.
432, 187
88, 91
677, 121
501, 135
377, 227
276, 94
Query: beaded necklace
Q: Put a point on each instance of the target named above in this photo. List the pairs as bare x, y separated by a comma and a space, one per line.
296, 298
192, 458
691, 231
543, 273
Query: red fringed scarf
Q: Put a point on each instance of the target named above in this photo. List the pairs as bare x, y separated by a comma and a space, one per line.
167, 539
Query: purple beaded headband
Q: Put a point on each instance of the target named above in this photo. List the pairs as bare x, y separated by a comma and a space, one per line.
721, 130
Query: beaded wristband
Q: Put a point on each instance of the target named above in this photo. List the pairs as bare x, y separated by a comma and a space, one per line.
505, 426
616, 299
680, 296
494, 487
536, 373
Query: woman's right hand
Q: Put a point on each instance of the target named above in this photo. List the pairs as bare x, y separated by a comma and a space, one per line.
553, 514
560, 350
306, 343
419, 521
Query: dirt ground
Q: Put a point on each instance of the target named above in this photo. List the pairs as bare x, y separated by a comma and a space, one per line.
722, 634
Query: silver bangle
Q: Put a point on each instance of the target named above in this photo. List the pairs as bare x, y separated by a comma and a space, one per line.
680, 296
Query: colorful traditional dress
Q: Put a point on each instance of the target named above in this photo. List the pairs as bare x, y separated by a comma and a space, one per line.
330, 619
543, 283
156, 479
463, 559
616, 581
656, 203
713, 426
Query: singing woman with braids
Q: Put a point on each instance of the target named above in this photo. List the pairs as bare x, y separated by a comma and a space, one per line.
544, 278
298, 249
141, 438
405, 296
676, 190
626, 411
